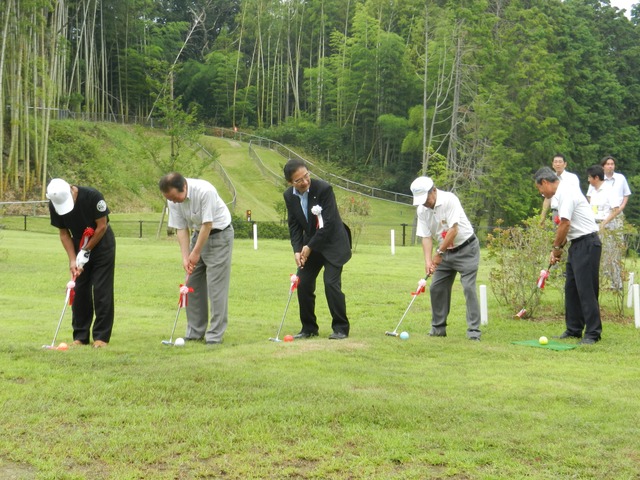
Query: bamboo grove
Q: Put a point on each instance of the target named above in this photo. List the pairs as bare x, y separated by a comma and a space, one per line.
478, 93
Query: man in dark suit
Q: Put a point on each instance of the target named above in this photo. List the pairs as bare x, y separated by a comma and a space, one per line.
319, 239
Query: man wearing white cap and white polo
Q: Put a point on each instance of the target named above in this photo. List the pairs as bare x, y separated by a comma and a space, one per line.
82, 216
441, 217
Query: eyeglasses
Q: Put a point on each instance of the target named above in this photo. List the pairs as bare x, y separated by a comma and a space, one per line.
301, 179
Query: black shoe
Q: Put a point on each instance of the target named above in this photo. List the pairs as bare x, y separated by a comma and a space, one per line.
187, 339
588, 341
338, 336
306, 335
213, 342
437, 334
566, 335
475, 339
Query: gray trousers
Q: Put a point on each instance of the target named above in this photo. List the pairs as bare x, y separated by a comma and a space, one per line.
210, 282
465, 262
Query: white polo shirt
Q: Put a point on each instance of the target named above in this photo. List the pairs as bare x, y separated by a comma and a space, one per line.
617, 183
573, 206
445, 214
569, 178
202, 204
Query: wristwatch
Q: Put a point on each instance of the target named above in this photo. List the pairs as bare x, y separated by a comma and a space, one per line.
439, 252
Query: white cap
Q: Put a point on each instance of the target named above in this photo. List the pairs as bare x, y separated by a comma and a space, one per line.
420, 188
59, 192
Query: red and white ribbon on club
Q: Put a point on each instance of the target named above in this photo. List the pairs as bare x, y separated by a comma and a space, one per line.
317, 211
544, 274
184, 295
86, 235
294, 282
421, 286
71, 285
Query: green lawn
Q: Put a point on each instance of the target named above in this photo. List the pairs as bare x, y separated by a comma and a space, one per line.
370, 406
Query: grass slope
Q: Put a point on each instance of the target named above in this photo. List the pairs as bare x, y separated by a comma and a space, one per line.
371, 406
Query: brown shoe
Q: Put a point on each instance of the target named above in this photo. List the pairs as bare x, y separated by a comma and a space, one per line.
99, 344
78, 342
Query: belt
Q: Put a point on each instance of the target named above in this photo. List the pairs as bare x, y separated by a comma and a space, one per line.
462, 245
588, 235
214, 230
218, 230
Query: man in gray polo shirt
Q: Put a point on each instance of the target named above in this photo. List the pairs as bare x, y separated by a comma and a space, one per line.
577, 225
206, 257
441, 217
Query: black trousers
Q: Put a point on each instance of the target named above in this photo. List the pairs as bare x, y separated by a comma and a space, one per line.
333, 291
582, 287
94, 294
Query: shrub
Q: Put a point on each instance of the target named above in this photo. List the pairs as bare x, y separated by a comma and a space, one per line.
520, 253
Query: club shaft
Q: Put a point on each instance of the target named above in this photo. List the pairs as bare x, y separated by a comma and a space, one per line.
405, 313
175, 323
64, 309
284, 314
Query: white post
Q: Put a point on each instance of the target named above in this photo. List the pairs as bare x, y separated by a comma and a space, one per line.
393, 242
255, 236
484, 313
630, 291
636, 304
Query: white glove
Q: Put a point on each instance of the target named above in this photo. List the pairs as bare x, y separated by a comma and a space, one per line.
82, 258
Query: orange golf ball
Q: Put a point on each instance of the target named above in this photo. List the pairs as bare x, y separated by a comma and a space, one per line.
63, 346
288, 338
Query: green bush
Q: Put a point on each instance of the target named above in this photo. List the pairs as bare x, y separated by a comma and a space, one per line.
521, 252
270, 230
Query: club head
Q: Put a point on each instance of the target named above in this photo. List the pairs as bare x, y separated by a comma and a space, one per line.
48, 347
167, 342
392, 334
275, 339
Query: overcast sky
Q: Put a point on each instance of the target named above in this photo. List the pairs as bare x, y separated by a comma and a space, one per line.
626, 4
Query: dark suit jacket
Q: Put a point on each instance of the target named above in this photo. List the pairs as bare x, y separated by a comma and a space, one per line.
333, 240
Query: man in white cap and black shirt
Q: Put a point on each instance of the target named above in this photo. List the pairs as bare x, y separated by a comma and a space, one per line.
441, 217
582, 285
82, 216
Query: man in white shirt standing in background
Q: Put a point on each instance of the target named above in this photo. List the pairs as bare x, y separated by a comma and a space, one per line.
614, 180
559, 165
605, 203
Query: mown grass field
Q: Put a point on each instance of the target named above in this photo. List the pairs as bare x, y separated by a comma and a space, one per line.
370, 406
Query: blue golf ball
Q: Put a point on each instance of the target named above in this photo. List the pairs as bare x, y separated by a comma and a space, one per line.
404, 336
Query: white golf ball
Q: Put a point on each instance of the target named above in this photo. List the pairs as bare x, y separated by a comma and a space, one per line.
179, 342
404, 336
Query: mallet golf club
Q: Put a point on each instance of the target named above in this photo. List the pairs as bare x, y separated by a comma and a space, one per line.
294, 284
182, 302
421, 286
544, 274
70, 286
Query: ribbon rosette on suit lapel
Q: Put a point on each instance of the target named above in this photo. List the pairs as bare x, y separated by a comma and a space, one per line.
317, 211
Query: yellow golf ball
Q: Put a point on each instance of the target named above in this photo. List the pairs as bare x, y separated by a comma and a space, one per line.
543, 340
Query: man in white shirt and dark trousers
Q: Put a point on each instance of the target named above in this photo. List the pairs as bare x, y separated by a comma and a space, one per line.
195, 205
582, 284
440, 216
